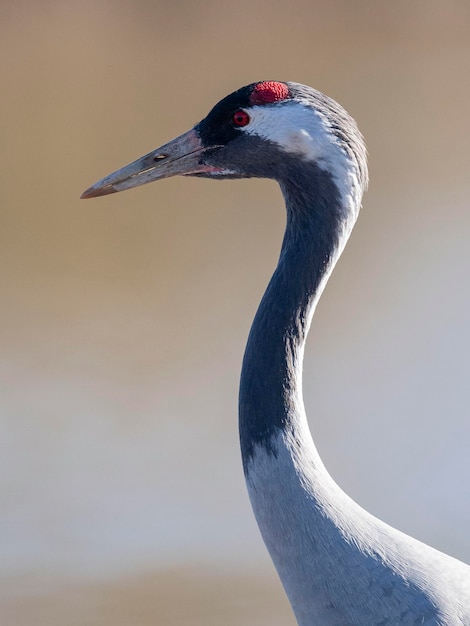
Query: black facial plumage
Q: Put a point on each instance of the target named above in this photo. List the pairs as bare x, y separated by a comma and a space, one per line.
217, 128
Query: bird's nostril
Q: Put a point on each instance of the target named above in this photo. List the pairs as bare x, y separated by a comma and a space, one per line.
160, 157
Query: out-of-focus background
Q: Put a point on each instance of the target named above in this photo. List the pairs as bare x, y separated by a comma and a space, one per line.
123, 319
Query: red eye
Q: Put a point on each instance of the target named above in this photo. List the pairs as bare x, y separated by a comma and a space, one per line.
241, 118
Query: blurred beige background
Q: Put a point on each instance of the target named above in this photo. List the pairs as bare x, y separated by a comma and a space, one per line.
123, 319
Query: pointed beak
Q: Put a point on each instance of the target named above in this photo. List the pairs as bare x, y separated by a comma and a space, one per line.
179, 156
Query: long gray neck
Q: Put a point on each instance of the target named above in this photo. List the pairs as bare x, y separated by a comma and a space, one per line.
318, 224
338, 564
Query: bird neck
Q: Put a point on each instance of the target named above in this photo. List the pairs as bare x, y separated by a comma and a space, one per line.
319, 221
338, 564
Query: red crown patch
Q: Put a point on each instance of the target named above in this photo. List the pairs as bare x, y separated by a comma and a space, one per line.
269, 91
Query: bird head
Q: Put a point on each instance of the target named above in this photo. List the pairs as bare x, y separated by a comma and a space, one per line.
267, 130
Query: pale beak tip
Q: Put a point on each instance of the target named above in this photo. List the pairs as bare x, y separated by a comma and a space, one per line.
96, 191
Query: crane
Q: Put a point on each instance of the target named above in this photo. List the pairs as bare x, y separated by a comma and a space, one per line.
339, 564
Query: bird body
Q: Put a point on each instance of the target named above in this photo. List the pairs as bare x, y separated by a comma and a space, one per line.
339, 565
